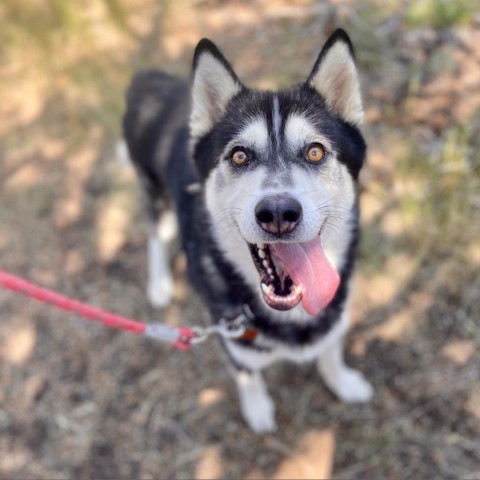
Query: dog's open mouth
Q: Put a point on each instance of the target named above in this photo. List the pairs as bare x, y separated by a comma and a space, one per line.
291, 273
278, 288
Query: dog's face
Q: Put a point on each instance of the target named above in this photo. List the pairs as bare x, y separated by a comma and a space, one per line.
280, 172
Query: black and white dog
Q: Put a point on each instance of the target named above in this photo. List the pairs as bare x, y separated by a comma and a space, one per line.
265, 187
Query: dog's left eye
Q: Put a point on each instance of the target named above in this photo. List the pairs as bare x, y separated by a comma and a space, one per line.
239, 157
315, 153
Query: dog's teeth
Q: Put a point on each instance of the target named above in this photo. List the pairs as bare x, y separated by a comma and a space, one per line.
269, 271
261, 246
266, 288
297, 289
261, 253
266, 263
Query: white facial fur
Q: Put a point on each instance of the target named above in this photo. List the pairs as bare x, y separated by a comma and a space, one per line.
254, 135
326, 198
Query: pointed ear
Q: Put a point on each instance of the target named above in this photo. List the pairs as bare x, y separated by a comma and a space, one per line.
214, 84
334, 77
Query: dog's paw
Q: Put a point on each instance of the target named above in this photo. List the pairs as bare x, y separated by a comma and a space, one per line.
160, 293
350, 386
257, 407
259, 413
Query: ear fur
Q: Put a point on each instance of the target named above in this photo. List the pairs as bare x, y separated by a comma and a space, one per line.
334, 77
214, 84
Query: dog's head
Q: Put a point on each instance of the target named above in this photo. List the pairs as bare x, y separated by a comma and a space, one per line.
280, 172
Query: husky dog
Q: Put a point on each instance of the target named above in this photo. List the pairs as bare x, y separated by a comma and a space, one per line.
265, 188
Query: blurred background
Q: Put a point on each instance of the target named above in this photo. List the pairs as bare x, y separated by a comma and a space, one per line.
80, 401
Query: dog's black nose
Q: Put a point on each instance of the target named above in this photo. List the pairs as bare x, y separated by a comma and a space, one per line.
278, 214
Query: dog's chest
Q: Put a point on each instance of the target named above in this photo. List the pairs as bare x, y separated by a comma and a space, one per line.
264, 350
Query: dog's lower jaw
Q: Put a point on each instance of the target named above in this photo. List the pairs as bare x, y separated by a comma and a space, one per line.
257, 407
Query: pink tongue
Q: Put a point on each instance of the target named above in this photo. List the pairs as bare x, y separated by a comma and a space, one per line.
307, 265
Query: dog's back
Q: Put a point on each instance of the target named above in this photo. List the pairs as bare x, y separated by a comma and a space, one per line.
156, 132
155, 128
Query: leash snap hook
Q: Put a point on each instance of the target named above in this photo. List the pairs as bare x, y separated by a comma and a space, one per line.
200, 334
232, 329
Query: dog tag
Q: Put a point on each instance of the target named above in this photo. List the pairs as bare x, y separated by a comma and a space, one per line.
249, 335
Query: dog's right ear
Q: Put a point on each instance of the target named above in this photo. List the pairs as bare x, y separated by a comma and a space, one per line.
214, 84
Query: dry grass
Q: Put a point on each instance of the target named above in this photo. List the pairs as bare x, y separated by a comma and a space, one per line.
78, 401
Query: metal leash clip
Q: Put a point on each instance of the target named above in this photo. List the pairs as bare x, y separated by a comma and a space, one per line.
201, 334
227, 329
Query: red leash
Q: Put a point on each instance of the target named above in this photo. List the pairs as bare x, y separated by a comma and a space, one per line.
180, 337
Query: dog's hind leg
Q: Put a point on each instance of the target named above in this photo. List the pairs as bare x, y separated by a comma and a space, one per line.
162, 230
347, 384
160, 281
257, 407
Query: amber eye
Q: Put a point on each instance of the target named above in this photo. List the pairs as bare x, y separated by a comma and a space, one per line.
315, 153
239, 157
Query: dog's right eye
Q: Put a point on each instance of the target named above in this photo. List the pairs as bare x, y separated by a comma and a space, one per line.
239, 157
315, 153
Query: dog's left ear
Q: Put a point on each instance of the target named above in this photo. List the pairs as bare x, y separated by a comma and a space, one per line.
214, 84
334, 77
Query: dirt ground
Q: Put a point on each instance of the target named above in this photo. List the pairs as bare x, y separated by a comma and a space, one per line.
80, 401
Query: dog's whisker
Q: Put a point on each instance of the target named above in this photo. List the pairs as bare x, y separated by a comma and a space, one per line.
246, 193
227, 214
332, 226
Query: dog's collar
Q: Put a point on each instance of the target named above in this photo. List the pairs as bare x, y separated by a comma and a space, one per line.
250, 333
241, 327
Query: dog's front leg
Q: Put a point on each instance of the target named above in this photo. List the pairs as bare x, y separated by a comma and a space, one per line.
347, 384
257, 407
